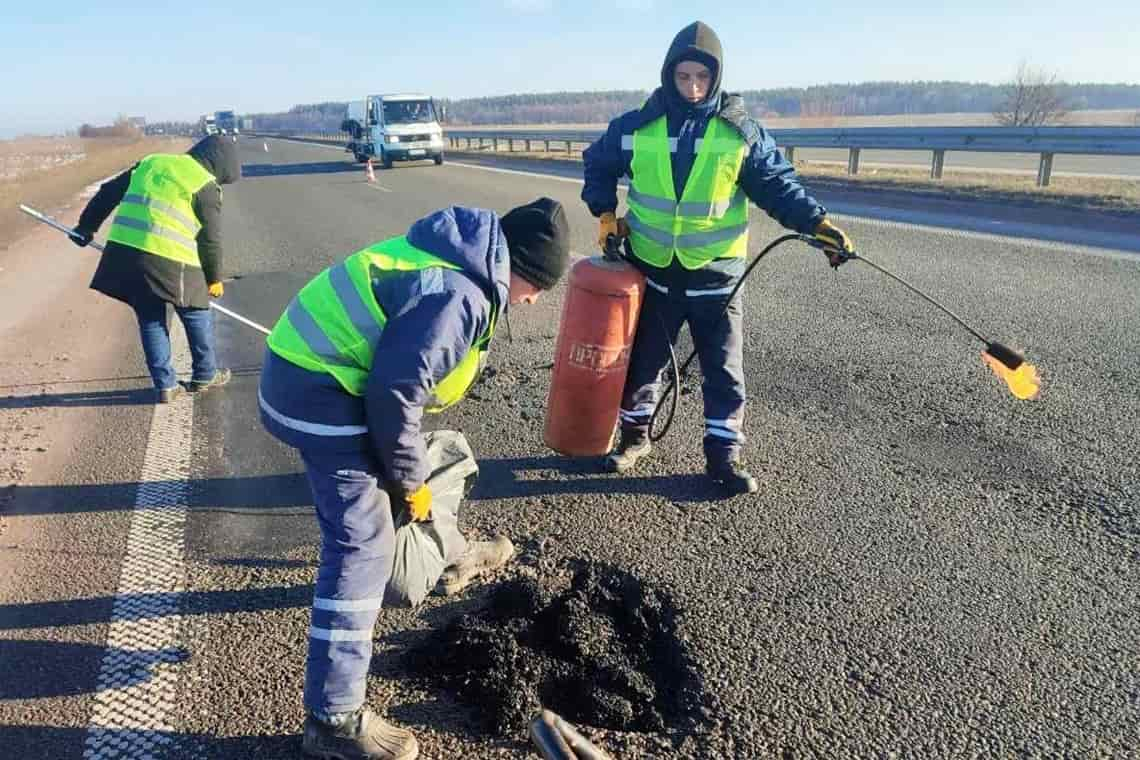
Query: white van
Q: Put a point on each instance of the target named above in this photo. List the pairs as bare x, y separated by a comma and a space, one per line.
394, 128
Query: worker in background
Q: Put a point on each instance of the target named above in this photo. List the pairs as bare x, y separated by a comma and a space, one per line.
165, 247
397, 329
694, 158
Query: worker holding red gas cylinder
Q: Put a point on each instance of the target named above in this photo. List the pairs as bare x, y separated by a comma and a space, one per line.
694, 158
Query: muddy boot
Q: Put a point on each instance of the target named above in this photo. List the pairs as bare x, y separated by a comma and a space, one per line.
634, 445
220, 378
480, 558
362, 735
731, 478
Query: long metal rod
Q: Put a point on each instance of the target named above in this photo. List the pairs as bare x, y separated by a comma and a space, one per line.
239, 317
53, 223
71, 233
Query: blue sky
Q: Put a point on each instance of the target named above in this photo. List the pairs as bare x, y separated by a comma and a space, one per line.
67, 62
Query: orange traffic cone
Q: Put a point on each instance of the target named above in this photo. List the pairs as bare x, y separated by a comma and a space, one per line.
371, 174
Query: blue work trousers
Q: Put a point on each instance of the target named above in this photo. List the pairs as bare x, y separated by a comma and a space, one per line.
154, 329
675, 296
358, 544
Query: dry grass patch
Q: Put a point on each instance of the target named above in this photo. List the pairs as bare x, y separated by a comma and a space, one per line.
1092, 193
44, 173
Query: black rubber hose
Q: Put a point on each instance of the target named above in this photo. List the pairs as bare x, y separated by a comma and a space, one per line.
674, 388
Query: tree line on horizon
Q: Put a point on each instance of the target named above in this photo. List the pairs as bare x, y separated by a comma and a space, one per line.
831, 100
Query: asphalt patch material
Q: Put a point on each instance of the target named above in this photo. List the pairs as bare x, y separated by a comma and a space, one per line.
605, 652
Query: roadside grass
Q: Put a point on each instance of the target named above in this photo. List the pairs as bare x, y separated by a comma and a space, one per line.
44, 173
1101, 194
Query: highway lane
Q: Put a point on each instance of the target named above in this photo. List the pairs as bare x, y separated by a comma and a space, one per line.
930, 569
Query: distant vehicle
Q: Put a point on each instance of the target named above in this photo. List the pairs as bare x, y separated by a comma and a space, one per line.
247, 124
209, 126
393, 128
227, 122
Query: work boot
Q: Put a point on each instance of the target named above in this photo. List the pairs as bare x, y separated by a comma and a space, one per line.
480, 558
166, 395
220, 378
731, 477
634, 445
362, 736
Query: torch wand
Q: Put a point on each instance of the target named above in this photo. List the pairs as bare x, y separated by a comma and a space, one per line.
1008, 364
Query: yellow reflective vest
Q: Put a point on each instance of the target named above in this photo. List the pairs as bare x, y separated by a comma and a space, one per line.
156, 215
334, 324
710, 219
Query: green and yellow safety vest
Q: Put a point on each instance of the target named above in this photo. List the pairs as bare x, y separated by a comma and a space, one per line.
335, 323
157, 213
710, 221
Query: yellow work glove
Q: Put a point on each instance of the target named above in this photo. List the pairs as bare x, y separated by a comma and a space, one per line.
216, 290
607, 225
838, 245
419, 503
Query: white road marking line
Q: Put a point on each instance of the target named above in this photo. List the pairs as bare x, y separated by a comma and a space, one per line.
517, 171
135, 715
380, 188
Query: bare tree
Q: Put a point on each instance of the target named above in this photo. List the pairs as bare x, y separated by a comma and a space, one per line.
1032, 99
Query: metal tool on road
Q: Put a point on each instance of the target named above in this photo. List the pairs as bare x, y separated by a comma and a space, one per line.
558, 740
71, 233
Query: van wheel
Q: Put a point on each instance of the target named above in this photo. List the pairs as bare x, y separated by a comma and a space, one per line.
439, 160
387, 162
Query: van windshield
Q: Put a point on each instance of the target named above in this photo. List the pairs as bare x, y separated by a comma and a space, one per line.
407, 111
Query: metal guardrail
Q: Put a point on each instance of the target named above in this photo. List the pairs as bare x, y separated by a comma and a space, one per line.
1045, 141
333, 138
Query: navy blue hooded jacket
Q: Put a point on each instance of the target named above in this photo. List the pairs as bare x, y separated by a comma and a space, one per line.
434, 317
766, 177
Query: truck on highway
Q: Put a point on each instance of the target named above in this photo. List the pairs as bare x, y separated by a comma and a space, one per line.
403, 127
209, 125
227, 122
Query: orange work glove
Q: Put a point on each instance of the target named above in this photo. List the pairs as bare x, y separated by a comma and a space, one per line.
216, 290
419, 503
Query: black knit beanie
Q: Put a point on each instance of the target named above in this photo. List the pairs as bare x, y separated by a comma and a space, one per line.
538, 238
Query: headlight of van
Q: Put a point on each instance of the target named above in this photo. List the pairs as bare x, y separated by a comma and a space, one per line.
392, 138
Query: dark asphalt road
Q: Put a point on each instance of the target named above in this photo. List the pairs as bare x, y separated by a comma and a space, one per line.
931, 568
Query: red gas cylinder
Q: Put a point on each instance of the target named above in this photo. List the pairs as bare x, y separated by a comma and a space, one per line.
599, 320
